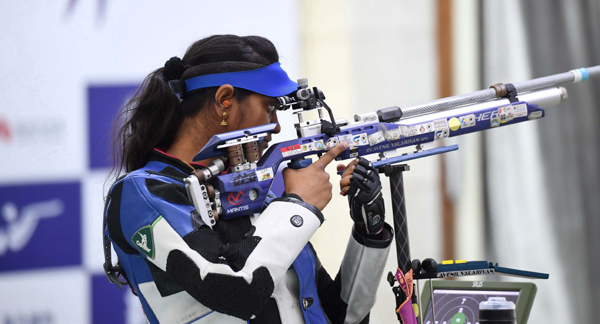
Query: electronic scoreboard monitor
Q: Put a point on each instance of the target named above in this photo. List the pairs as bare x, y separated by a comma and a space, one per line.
457, 302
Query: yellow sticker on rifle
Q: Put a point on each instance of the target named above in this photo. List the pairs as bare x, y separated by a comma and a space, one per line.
454, 123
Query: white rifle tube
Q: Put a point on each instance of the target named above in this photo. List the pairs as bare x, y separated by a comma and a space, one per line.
556, 80
543, 99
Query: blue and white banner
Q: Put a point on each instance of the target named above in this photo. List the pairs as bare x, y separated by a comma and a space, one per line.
40, 226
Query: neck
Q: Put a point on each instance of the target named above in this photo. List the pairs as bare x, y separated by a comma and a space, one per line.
190, 138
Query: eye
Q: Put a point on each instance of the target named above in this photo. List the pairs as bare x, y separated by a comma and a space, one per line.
271, 106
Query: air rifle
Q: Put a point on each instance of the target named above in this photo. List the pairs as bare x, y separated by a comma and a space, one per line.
244, 188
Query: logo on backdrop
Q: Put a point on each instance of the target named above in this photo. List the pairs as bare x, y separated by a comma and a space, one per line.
22, 224
5, 133
32, 130
40, 226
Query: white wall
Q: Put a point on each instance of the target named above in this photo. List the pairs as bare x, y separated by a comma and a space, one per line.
366, 56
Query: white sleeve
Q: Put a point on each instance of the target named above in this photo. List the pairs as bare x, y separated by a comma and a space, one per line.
241, 285
361, 272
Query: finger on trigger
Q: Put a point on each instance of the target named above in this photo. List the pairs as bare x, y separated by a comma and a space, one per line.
332, 154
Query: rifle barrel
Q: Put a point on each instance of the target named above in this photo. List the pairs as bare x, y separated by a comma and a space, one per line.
555, 80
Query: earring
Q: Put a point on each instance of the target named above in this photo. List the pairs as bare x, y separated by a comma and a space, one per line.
224, 123
225, 105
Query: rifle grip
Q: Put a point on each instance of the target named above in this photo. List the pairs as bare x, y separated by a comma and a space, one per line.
299, 163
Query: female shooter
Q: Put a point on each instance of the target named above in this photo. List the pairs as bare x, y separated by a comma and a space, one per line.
257, 268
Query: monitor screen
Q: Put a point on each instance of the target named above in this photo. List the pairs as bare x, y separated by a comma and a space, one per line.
457, 302
460, 306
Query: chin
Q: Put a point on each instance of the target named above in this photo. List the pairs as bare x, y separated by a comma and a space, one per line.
262, 147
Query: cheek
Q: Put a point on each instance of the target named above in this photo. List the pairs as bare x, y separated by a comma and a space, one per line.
256, 118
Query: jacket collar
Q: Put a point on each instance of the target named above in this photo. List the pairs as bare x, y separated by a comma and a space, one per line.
187, 167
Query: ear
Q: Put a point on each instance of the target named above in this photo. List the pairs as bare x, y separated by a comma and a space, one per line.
224, 98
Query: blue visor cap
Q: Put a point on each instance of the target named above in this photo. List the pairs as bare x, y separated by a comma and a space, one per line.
271, 81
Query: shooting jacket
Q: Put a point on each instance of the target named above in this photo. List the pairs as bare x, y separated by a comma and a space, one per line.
255, 269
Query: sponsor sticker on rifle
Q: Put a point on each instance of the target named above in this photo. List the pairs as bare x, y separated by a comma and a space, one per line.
319, 145
467, 121
495, 121
510, 113
392, 134
520, 110
332, 142
506, 113
307, 147
440, 124
347, 139
429, 127
535, 115
412, 130
264, 174
403, 131
360, 139
376, 138
243, 178
442, 133
425, 128
291, 150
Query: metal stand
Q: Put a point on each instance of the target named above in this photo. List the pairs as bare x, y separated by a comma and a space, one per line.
394, 172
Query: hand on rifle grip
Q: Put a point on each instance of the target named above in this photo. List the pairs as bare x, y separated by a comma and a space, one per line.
312, 184
361, 183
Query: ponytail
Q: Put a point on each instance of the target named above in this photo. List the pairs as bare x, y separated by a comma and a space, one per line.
152, 118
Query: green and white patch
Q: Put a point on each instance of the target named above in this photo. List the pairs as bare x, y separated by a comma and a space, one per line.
144, 240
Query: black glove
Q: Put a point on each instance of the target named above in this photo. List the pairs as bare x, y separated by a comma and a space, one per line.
365, 198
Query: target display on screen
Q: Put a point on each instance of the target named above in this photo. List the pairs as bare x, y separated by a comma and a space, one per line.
461, 306
457, 302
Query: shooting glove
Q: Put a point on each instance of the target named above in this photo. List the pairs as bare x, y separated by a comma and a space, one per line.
365, 199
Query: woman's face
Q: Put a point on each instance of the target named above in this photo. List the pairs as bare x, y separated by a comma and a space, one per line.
255, 110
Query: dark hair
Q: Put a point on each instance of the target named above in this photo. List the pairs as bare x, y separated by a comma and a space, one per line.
153, 116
